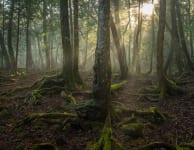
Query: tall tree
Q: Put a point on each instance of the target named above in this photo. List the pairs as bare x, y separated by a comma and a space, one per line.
102, 66
29, 59
76, 43
45, 35
116, 31
67, 72
182, 36
136, 46
160, 47
10, 35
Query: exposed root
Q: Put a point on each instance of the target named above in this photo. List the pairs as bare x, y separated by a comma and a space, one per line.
106, 141
154, 94
152, 115
46, 117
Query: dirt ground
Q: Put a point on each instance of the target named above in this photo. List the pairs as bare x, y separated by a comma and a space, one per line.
14, 108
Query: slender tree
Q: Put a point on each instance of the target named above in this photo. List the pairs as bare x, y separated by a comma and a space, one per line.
29, 59
45, 36
182, 36
10, 35
76, 43
160, 47
116, 31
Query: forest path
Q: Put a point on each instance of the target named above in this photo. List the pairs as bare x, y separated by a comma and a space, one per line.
176, 131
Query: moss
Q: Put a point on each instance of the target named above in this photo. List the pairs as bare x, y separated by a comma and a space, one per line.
134, 130
189, 145
118, 85
106, 141
157, 117
91, 146
34, 97
173, 88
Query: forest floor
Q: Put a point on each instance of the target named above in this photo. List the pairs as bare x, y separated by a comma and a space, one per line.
14, 108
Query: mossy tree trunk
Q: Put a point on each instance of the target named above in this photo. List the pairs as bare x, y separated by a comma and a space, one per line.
102, 67
67, 72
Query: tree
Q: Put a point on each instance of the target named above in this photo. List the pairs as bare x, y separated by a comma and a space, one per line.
160, 46
116, 31
102, 67
67, 72
76, 44
29, 59
45, 36
9, 37
182, 36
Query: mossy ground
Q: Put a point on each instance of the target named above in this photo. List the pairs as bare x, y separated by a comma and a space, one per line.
55, 131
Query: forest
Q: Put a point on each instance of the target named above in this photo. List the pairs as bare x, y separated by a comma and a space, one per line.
96, 75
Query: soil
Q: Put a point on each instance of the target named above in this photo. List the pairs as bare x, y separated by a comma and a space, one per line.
178, 130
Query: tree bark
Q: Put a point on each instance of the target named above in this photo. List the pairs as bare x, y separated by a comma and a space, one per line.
9, 37
135, 62
29, 60
76, 44
67, 72
45, 36
120, 54
121, 48
4, 52
182, 36
102, 67
160, 46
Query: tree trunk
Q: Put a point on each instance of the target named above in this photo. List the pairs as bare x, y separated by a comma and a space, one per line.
122, 60
135, 61
67, 72
40, 51
18, 34
9, 37
29, 60
76, 44
153, 44
160, 46
121, 48
182, 36
102, 67
45, 36
190, 31
4, 52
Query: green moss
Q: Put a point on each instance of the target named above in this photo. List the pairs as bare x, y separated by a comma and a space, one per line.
157, 117
118, 85
133, 129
